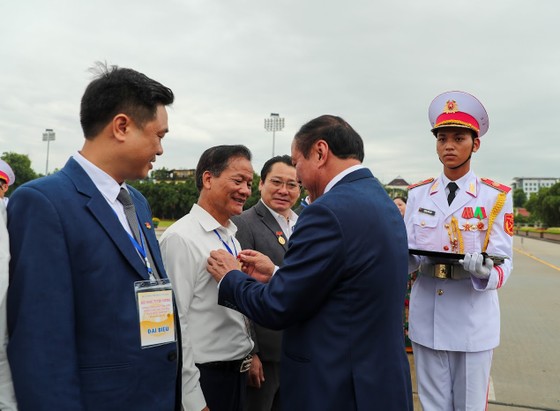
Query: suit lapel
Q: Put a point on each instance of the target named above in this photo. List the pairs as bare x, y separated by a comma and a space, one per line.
270, 222
104, 215
149, 234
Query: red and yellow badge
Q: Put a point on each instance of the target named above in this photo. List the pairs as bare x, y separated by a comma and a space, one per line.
508, 224
148, 225
450, 107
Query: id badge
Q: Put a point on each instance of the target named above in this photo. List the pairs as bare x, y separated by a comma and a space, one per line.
154, 300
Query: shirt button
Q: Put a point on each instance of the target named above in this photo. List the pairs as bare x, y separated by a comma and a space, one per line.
440, 292
423, 223
445, 248
172, 356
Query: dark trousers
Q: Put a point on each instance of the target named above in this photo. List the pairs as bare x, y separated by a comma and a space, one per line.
224, 390
266, 398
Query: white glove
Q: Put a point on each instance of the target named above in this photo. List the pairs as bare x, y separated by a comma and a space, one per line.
473, 263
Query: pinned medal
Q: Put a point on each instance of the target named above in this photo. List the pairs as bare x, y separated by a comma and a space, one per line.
281, 240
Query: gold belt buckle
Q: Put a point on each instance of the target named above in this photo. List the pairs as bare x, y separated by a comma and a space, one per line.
246, 363
442, 271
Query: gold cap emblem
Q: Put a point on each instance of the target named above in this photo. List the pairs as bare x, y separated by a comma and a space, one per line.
450, 107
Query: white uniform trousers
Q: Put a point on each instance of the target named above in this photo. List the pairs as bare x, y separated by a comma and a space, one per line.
451, 380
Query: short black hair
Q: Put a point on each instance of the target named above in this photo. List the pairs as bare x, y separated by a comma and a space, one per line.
344, 142
120, 90
286, 159
216, 159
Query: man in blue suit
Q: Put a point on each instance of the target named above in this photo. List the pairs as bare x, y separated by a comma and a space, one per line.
75, 336
340, 293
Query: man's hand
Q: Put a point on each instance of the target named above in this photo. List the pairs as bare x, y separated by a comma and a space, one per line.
220, 263
256, 265
477, 265
256, 373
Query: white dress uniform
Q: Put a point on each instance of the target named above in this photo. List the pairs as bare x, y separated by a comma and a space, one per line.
458, 315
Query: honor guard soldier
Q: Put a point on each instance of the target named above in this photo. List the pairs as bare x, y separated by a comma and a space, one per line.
460, 229
7, 178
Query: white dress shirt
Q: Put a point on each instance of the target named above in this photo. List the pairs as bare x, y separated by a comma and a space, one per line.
210, 332
286, 224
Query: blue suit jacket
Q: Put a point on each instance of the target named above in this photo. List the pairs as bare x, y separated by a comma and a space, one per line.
257, 229
340, 298
72, 317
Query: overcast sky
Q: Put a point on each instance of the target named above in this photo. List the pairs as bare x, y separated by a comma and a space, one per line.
230, 63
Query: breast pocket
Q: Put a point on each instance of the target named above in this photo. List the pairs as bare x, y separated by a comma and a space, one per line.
473, 232
425, 230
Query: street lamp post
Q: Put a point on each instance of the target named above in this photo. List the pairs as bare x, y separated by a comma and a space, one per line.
274, 123
48, 136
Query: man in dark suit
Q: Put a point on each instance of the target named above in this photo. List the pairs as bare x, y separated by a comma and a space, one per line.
76, 341
266, 227
340, 293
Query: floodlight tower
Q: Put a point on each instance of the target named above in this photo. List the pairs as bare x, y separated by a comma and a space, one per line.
274, 123
48, 136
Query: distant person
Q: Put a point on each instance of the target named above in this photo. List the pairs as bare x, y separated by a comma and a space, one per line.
454, 309
400, 202
216, 340
7, 396
340, 293
7, 178
267, 227
85, 261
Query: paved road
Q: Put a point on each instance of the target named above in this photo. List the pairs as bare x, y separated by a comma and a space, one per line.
526, 367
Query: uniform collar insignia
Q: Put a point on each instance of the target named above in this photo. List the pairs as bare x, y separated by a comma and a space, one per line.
472, 189
434, 188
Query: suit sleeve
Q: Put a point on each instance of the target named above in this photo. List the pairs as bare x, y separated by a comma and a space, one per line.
42, 348
312, 267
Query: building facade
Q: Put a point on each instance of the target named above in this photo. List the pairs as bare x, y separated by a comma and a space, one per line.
532, 185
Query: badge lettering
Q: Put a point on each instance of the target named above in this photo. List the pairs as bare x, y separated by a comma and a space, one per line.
426, 211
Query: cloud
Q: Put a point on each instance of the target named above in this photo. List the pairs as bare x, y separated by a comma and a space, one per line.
230, 64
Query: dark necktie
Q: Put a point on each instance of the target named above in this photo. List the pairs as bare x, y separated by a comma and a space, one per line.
130, 213
452, 189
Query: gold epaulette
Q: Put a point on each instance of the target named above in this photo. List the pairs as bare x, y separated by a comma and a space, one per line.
502, 187
421, 183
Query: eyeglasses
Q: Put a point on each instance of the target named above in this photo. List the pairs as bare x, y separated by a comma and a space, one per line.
290, 185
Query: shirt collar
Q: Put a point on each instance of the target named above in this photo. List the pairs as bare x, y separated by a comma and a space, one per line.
341, 175
292, 215
106, 184
209, 223
462, 183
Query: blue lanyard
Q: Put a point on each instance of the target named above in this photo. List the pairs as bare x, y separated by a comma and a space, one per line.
141, 249
226, 244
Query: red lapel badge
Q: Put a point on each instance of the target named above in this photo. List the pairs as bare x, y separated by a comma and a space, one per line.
148, 225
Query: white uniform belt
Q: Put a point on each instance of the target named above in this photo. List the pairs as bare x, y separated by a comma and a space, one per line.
445, 271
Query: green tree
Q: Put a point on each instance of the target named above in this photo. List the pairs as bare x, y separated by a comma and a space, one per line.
21, 165
519, 197
546, 205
